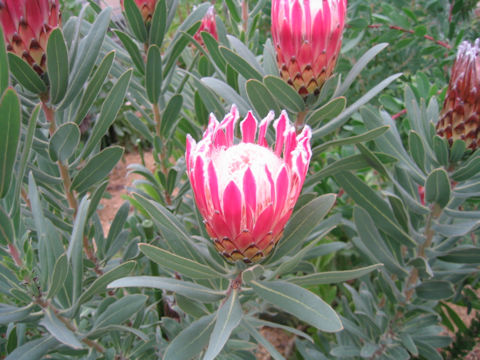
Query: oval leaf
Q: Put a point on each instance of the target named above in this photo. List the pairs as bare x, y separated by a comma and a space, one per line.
57, 65
64, 142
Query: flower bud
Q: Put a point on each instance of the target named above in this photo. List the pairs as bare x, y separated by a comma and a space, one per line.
460, 116
246, 191
208, 24
26, 26
146, 7
307, 35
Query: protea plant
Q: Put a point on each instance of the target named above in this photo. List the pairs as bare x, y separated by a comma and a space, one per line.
147, 8
26, 26
208, 24
307, 35
460, 116
246, 191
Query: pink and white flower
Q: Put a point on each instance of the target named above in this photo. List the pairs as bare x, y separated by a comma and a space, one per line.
246, 190
307, 35
26, 26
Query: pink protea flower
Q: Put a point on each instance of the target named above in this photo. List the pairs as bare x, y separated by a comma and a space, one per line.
307, 35
147, 8
460, 116
26, 26
208, 24
246, 191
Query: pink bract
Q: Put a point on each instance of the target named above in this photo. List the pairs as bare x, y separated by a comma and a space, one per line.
460, 116
246, 190
26, 26
307, 35
208, 24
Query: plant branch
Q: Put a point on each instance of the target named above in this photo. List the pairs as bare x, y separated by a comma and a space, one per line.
428, 37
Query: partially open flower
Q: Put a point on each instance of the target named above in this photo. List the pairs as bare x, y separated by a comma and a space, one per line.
26, 26
307, 35
246, 191
460, 116
147, 8
208, 24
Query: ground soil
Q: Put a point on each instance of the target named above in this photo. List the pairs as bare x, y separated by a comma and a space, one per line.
121, 180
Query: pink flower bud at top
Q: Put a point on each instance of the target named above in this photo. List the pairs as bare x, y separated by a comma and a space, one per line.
208, 24
146, 7
26, 26
307, 35
246, 190
460, 116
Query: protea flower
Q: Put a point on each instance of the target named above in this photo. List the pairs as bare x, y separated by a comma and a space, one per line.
26, 26
246, 191
460, 116
307, 35
208, 24
147, 8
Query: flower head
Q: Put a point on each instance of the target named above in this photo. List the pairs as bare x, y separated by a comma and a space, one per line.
246, 191
208, 24
307, 35
146, 7
26, 26
460, 116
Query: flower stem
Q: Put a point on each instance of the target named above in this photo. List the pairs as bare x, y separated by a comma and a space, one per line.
300, 122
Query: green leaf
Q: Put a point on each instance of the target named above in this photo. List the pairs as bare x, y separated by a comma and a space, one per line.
261, 340
378, 209
417, 150
373, 242
260, 98
457, 150
464, 255
437, 188
97, 168
88, 51
120, 311
302, 223
239, 64
212, 47
359, 66
170, 117
440, 147
467, 171
366, 136
25, 75
153, 74
332, 277
34, 349
299, 302
133, 50
185, 288
227, 92
64, 142
94, 86
187, 267
9, 314
135, 20
286, 96
59, 331
228, 318
191, 340
59, 275
7, 232
158, 24
4, 75
327, 112
341, 119
435, 290
75, 248
57, 65
110, 108
10, 121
